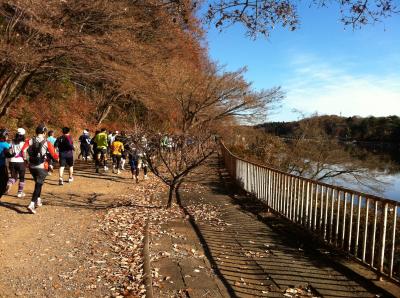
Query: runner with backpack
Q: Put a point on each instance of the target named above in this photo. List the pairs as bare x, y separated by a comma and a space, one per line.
84, 139
17, 163
37, 149
66, 149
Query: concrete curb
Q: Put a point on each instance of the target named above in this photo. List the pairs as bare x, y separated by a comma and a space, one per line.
148, 280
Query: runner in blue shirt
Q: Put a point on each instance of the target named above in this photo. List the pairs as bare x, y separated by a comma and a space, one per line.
52, 140
4, 153
51, 137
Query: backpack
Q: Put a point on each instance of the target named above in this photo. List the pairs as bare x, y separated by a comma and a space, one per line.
85, 140
35, 152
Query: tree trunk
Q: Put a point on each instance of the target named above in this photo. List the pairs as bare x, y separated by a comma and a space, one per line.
12, 87
102, 115
170, 195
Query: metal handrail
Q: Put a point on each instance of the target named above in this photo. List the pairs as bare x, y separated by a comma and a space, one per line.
361, 225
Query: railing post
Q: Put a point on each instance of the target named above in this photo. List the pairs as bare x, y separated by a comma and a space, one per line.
393, 241
373, 231
383, 240
298, 194
332, 215
291, 198
366, 232
296, 200
269, 188
337, 218
246, 169
344, 217
303, 195
273, 191
285, 195
279, 193
315, 207
321, 208
307, 203
351, 223
326, 212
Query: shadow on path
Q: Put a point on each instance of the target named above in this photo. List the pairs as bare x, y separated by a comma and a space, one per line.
255, 258
89, 190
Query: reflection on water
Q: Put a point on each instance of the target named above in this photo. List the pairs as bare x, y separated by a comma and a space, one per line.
393, 190
381, 160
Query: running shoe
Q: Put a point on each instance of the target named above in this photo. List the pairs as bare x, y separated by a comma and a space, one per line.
20, 194
105, 168
118, 172
60, 181
70, 179
31, 208
39, 203
145, 177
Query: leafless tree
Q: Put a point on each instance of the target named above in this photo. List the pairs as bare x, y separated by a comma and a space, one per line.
310, 153
206, 96
262, 16
88, 41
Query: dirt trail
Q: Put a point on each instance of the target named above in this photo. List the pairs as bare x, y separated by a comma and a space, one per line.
51, 254
87, 241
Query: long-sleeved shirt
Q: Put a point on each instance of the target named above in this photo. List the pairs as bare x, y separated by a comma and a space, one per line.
46, 148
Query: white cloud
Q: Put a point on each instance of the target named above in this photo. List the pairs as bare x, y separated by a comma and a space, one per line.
329, 88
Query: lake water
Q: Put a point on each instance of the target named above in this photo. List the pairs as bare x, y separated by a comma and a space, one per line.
390, 188
392, 191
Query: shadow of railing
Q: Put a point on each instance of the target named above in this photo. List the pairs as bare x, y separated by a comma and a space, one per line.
293, 259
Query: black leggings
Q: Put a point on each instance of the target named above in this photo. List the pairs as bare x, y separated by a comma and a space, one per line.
135, 168
3, 179
37, 192
39, 175
101, 154
85, 151
117, 160
17, 171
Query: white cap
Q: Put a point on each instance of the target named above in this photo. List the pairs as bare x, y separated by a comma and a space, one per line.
85, 132
21, 131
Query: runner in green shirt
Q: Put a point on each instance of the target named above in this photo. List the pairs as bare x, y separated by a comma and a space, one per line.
102, 144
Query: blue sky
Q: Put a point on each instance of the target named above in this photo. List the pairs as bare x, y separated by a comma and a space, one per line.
323, 67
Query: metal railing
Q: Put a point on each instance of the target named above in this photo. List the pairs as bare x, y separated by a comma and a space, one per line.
362, 225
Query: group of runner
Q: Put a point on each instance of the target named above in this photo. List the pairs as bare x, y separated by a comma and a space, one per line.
40, 152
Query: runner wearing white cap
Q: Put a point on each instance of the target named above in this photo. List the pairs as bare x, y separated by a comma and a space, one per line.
85, 140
